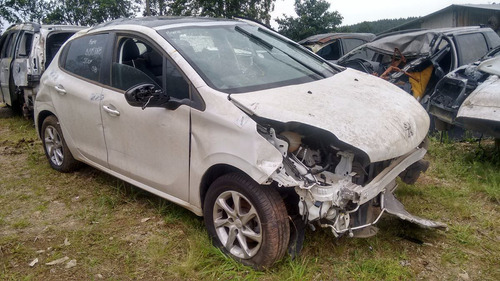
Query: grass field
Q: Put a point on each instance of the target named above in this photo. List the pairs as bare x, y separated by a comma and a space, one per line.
105, 229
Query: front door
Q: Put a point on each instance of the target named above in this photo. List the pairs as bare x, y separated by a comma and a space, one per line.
150, 146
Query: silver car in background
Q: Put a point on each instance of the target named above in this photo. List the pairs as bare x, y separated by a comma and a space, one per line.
26, 50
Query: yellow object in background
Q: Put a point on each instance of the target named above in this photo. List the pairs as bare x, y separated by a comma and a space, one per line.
418, 86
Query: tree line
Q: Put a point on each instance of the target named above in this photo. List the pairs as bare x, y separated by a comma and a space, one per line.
313, 16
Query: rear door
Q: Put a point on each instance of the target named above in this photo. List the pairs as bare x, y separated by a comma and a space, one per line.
77, 94
6, 54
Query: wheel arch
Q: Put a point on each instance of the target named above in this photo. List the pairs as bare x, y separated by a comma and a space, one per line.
212, 174
41, 117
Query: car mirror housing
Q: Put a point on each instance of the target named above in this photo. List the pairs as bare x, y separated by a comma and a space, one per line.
146, 95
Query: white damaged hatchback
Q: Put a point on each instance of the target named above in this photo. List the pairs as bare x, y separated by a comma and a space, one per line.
237, 124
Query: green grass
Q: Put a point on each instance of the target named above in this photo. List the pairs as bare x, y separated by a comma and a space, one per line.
102, 218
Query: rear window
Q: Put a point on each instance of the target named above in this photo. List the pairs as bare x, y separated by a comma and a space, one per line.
84, 55
471, 47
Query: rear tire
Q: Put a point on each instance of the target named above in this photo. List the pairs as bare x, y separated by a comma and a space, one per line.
249, 222
56, 150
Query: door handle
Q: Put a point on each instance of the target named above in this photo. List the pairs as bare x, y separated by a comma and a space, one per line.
60, 89
110, 110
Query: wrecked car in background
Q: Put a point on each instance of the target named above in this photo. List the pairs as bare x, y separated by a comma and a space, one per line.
416, 60
469, 97
235, 123
332, 46
25, 52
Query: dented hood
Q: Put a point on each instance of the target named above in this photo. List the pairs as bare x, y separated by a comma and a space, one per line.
359, 109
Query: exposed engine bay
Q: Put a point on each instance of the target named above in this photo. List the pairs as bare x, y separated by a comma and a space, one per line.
337, 186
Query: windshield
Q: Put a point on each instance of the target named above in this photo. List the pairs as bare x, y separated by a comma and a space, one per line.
242, 58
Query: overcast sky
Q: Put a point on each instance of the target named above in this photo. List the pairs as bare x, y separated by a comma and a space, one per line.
356, 11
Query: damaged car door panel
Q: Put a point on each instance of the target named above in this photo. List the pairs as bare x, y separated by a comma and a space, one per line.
252, 132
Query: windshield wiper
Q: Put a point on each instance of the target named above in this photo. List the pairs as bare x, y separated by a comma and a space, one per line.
254, 38
298, 46
270, 47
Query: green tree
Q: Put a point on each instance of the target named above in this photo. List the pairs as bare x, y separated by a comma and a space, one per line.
377, 26
90, 12
313, 18
254, 9
24, 10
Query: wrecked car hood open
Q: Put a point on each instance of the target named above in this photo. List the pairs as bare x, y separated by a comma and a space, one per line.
360, 117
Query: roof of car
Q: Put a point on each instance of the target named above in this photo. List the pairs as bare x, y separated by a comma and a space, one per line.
445, 30
36, 27
327, 37
415, 42
155, 21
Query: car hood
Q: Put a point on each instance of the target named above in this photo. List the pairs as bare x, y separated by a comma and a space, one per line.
359, 109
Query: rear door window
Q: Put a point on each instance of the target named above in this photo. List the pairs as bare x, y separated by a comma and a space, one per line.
351, 43
471, 47
84, 56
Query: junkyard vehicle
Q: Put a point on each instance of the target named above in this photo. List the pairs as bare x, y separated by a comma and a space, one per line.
332, 46
416, 60
25, 52
235, 123
469, 97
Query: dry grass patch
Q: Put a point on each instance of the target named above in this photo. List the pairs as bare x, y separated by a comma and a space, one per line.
115, 231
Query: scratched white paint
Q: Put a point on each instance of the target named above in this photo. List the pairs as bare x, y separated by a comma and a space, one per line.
491, 66
359, 109
484, 102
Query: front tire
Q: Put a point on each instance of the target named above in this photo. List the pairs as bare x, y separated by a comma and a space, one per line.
247, 221
56, 150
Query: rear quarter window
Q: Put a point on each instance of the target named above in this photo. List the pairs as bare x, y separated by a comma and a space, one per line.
83, 56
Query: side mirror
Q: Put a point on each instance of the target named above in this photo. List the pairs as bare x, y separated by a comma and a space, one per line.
146, 95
